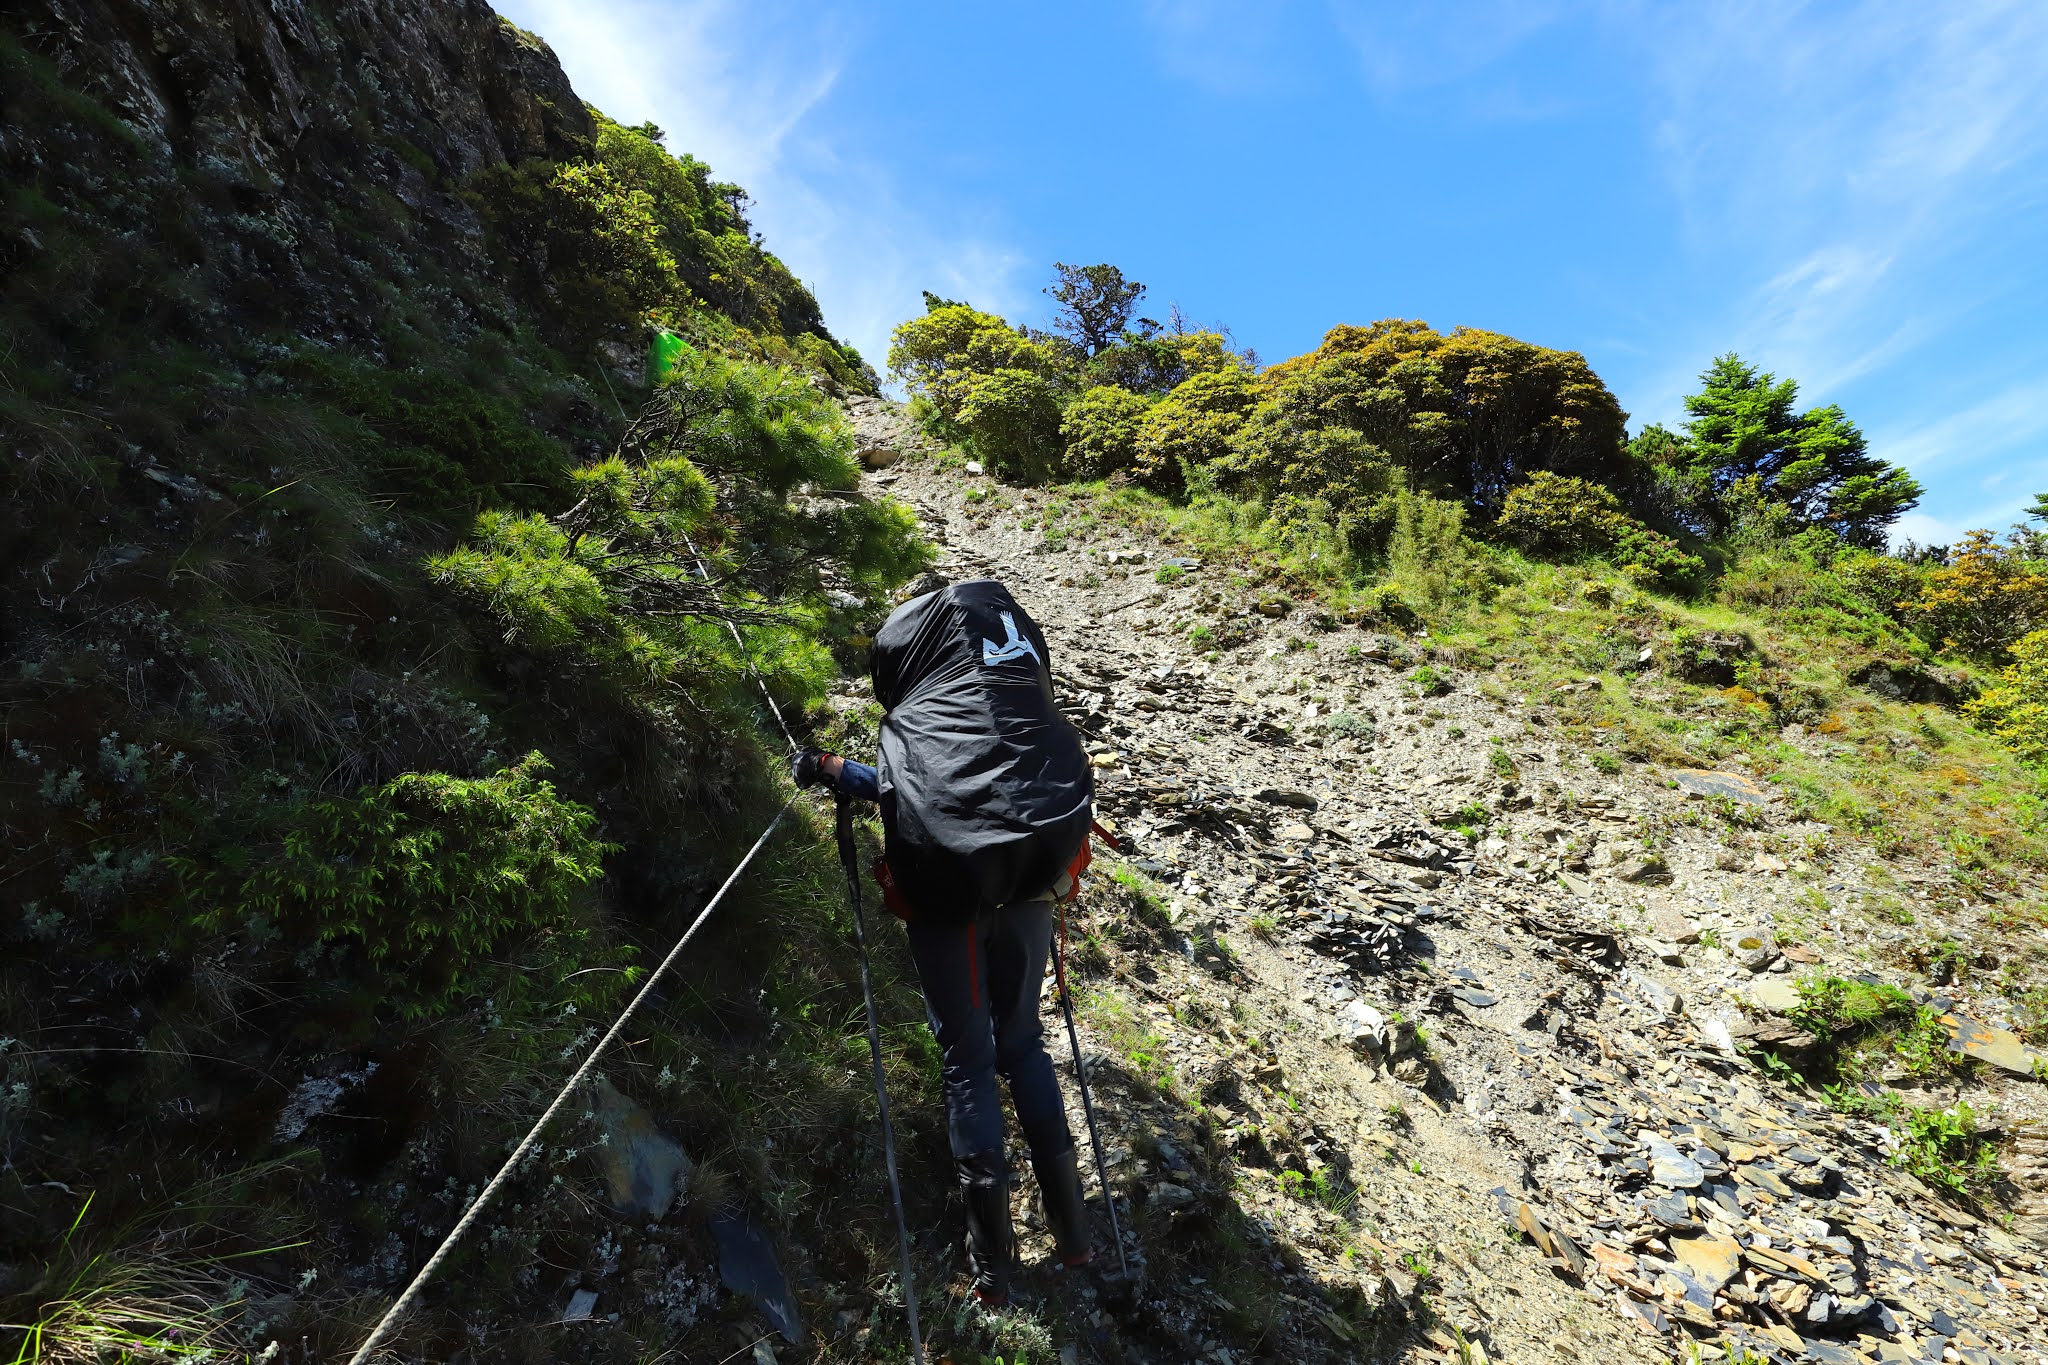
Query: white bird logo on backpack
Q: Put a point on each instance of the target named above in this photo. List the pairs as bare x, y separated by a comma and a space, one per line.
1016, 647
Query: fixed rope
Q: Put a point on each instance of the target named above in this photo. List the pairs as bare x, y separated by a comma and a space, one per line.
526, 1144
704, 575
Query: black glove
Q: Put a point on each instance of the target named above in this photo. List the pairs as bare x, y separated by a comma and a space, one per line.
804, 767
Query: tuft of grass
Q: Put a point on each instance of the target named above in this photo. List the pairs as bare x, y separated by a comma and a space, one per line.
1430, 681
1147, 899
1829, 1005
136, 1303
1132, 1038
1862, 1021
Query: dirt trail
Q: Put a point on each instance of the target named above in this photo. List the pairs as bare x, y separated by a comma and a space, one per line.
1574, 1076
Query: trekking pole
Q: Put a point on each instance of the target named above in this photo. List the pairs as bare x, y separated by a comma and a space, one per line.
1059, 968
844, 823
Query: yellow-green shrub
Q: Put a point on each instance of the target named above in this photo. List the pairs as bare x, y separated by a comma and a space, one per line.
941, 354
1460, 414
2016, 708
1100, 429
1986, 596
1193, 427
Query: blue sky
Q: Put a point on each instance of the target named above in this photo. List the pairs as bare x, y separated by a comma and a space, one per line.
1850, 194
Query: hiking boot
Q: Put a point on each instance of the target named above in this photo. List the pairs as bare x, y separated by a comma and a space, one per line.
991, 1245
1066, 1210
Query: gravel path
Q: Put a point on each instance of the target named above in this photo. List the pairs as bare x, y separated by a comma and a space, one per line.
1478, 1104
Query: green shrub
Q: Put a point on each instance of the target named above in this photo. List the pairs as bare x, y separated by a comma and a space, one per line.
1655, 560
1921, 1045
1550, 514
1941, 1147
1880, 580
428, 875
2015, 708
1011, 419
1101, 429
1348, 725
618, 581
1270, 458
1470, 820
1158, 362
1385, 603
1193, 427
1309, 532
1560, 517
1432, 559
429, 434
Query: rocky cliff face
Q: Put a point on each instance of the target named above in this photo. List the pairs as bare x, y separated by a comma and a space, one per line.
263, 349
296, 157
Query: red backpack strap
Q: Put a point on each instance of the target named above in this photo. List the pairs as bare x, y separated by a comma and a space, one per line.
892, 898
1086, 857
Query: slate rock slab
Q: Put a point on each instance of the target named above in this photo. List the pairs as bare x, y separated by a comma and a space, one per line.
1670, 923
1709, 1258
747, 1264
1673, 1168
1713, 782
2002, 1048
641, 1166
1776, 994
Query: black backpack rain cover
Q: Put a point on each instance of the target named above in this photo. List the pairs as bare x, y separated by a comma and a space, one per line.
986, 788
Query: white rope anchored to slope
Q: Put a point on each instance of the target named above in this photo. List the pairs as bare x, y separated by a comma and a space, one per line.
526, 1144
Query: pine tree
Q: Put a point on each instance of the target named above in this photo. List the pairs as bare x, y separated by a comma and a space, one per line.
1815, 463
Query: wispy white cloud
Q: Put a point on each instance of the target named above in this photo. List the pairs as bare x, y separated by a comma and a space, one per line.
1839, 167
1989, 460
1403, 48
1222, 47
747, 88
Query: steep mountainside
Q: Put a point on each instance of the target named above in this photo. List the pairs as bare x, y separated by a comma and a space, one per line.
362, 716
1569, 914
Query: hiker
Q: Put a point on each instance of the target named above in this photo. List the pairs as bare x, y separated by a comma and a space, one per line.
986, 798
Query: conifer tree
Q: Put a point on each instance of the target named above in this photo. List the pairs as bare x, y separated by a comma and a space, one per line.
1815, 463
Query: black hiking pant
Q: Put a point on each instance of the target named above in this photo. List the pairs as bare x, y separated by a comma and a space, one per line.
981, 980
